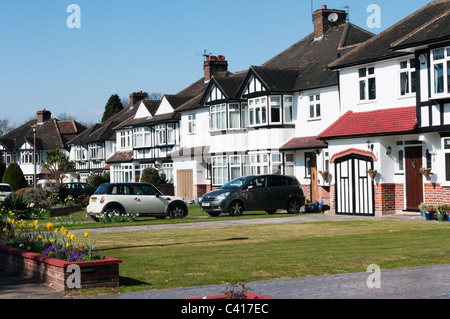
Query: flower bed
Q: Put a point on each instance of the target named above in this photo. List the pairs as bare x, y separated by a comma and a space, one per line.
53, 272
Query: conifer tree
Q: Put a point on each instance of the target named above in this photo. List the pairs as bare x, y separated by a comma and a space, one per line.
112, 107
14, 177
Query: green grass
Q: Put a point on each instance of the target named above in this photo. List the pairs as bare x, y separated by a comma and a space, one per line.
216, 255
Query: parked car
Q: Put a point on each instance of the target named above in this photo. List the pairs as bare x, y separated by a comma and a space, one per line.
77, 189
264, 192
142, 199
5, 191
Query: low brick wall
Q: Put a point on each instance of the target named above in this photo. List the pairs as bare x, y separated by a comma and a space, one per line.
53, 272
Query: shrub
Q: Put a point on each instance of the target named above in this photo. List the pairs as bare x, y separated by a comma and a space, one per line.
14, 177
2, 170
151, 175
15, 203
96, 180
37, 197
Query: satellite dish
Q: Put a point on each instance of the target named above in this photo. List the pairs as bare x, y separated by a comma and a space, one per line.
333, 17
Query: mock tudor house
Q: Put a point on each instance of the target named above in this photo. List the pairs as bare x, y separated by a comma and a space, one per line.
95, 145
262, 121
38, 136
395, 94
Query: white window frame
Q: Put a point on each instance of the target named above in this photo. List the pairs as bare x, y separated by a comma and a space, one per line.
366, 75
276, 163
289, 164
234, 109
192, 125
219, 167
244, 115
218, 117
288, 106
125, 139
258, 111
171, 134
315, 106
96, 151
259, 163
160, 132
275, 104
235, 164
445, 61
407, 69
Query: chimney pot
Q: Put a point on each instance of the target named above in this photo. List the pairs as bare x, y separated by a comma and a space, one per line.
43, 116
324, 7
137, 97
214, 65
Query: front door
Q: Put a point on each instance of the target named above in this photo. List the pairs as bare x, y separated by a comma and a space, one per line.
185, 184
413, 178
354, 188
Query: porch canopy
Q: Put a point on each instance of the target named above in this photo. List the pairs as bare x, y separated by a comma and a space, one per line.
303, 143
390, 121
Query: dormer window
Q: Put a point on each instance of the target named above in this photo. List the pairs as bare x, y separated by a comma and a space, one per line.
440, 68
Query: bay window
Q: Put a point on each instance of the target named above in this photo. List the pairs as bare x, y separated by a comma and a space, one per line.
125, 139
141, 137
95, 151
235, 167
258, 111
160, 132
244, 115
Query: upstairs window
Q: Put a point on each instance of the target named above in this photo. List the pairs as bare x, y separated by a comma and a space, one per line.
288, 109
407, 77
234, 116
192, 126
218, 116
367, 84
258, 111
275, 109
314, 106
440, 64
125, 139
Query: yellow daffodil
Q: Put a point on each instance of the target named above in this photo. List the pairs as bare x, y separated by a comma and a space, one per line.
86, 234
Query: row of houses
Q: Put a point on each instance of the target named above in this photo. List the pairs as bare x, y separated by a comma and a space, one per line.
330, 108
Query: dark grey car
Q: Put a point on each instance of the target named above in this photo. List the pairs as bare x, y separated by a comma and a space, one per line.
264, 192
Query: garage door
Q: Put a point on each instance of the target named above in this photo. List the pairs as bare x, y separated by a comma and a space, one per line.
185, 184
354, 188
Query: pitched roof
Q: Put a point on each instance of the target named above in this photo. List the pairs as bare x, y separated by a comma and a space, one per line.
303, 143
312, 56
380, 46
49, 135
121, 157
389, 121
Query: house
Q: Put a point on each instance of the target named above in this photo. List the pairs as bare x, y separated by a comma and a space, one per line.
95, 145
395, 118
38, 136
266, 119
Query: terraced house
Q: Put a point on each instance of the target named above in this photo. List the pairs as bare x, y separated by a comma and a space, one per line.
37, 136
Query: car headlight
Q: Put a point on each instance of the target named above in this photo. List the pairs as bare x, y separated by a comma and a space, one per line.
222, 196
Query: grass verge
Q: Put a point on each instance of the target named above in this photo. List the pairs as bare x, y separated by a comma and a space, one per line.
164, 259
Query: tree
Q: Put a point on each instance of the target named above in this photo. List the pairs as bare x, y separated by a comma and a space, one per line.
58, 164
14, 177
4, 127
112, 107
151, 175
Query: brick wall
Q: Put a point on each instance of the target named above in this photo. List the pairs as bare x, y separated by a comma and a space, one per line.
435, 194
388, 197
53, 272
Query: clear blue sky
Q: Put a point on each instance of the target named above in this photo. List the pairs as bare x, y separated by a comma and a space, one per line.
149, 45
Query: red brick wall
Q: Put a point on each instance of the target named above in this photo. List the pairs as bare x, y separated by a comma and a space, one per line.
435, 194
52, 272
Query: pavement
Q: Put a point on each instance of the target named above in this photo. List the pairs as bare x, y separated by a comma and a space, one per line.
429, 282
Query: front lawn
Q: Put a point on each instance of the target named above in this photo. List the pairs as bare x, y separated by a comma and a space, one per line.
164, 259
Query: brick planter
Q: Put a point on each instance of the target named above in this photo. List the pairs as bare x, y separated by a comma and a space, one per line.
60, 211
53, 272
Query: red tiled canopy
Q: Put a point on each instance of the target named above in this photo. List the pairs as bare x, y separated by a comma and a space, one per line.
379, 122
303, 143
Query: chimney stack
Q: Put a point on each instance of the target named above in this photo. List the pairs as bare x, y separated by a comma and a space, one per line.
43, 116
137, 97
214, 65
325, 19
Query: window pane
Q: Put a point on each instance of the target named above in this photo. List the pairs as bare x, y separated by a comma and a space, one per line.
403, 64
318, 110
447, 166
264, 114
400, 160
404, 83
288, 113
438, 54
311, 111
439, 78
372, 89
413, 82
362, 72
244, 115
362, 90
448, 76
275, 113
371, 70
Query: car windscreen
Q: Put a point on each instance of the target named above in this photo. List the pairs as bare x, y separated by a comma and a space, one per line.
5, 188
236, 183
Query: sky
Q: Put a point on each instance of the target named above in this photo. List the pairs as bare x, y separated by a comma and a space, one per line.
71, 59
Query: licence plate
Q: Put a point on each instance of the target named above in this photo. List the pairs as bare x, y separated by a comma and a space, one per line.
206, 204
93, 200
2, 196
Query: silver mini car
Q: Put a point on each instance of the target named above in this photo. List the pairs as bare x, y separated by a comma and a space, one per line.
264, 192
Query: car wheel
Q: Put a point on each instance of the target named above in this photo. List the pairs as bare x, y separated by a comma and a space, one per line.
112, 212
236, 208
177, 211
293, 206
271, 211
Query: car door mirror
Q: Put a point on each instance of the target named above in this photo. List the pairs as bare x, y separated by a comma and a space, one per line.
250, 187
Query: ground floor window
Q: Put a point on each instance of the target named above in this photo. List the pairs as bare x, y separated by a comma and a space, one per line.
220, 170
447, 158
122, 173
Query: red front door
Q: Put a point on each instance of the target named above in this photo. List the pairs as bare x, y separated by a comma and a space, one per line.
413, 178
